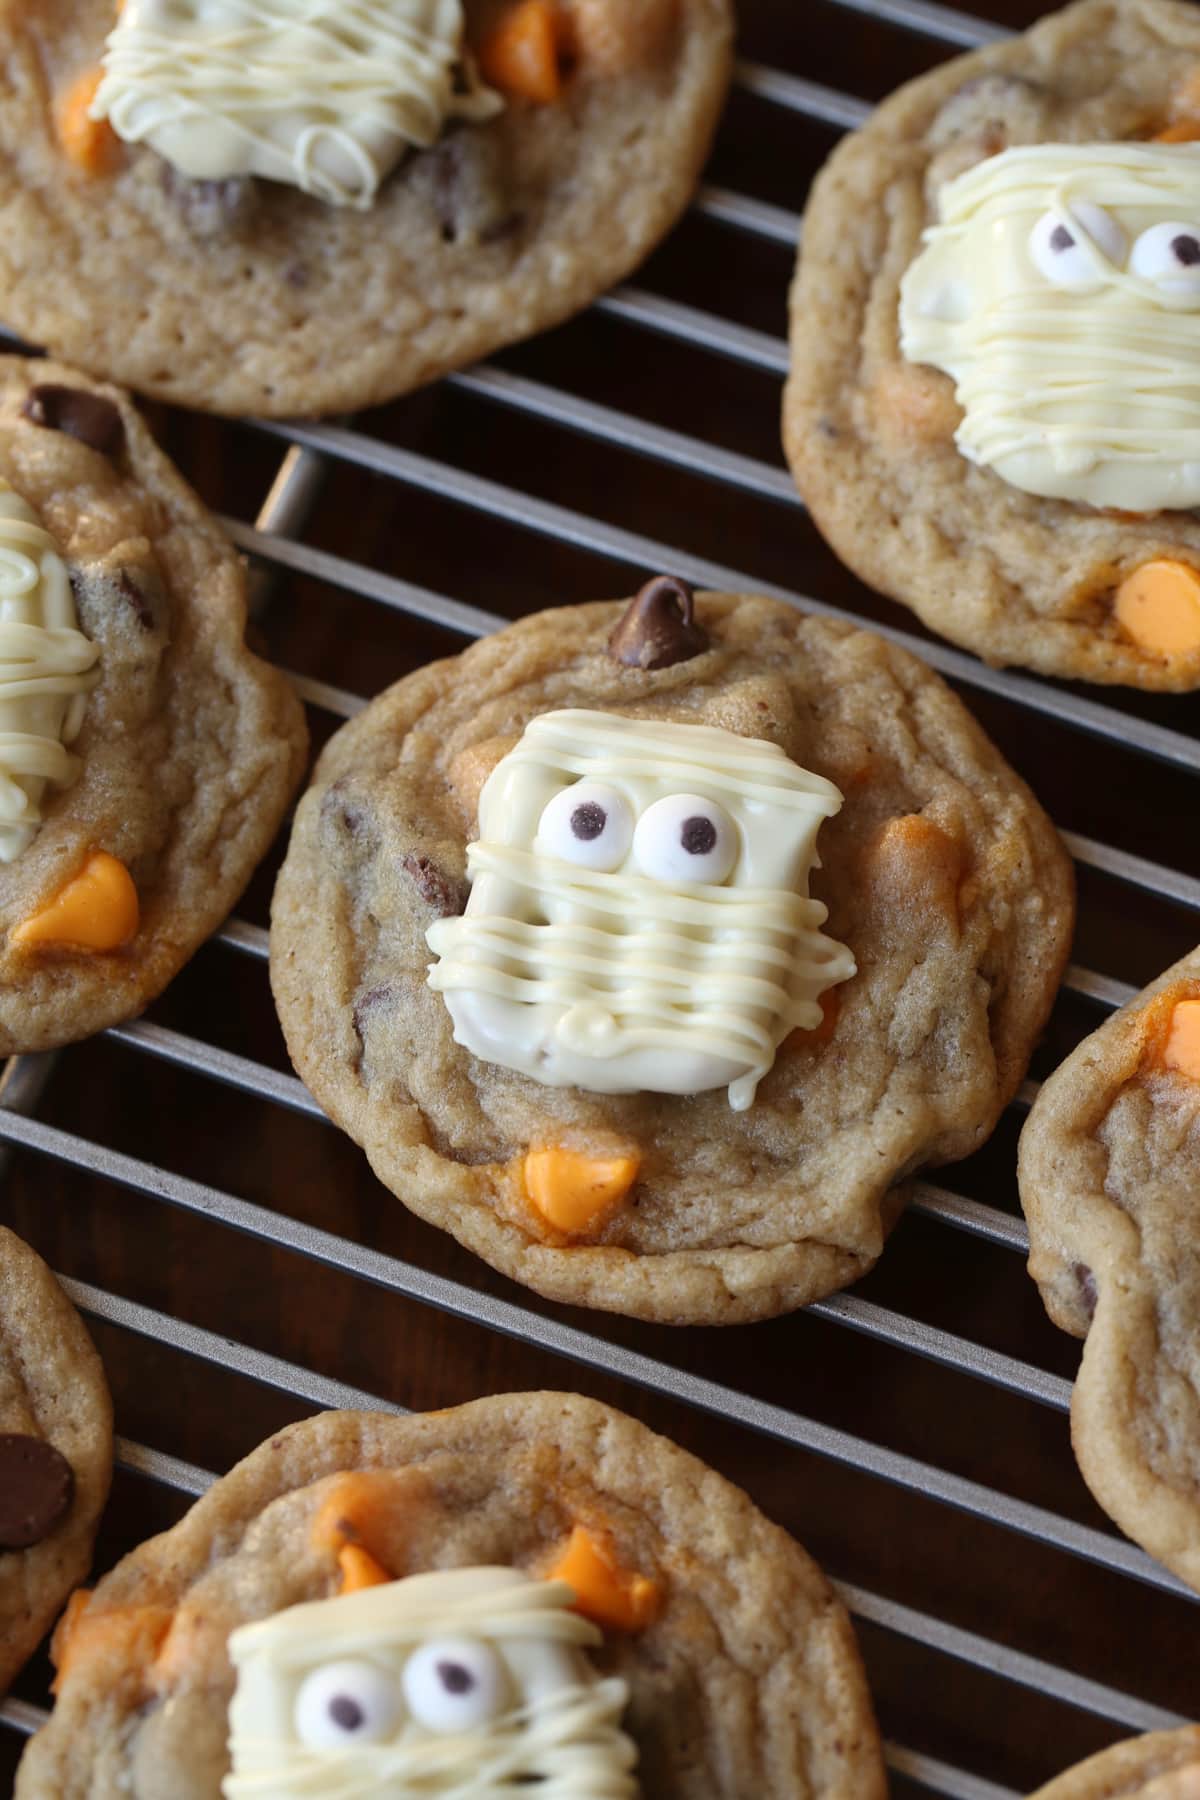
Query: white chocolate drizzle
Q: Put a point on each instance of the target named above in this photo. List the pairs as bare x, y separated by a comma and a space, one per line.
47, 667
324, 94
559, 1728
613, 982
1088, 396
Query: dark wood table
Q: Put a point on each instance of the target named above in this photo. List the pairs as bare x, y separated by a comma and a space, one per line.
947, 1594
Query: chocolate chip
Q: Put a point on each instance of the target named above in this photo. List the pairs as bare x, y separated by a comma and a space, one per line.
698, 835
469, 191
658, 627
336, 808
446, 896
37, 1486
1088, 1291
89, 417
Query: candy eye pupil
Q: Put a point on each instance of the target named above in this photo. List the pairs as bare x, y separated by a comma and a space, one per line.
1186, 250
346, 1712
698, 835
588, 821
1060, 238
455, 1678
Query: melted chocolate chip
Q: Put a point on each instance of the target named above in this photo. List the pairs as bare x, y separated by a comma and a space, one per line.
37, 1486
211, 209
658, 627
469, 190
89, 417
1060, 238
588, 821
1088, 1291
346, 1712
1186, 249
455, 1678
439, 890
698, 835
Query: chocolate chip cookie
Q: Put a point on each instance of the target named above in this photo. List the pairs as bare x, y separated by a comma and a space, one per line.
55, 1451
576, 1000
146, 757
1164, 1765
994, 404
309, 216
1109, 1163
389, 1597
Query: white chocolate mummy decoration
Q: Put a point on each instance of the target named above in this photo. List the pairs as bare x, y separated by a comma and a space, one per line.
47, 667
1061, 290
639, 917
467, 1682
324, 94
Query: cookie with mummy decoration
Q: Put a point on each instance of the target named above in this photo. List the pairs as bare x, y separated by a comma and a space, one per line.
591, 1001
529, 1593
993, 409
145, 756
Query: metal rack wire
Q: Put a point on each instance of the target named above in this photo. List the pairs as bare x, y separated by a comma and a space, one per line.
1142, 737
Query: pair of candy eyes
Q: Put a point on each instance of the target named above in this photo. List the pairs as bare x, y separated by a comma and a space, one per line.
1167, 255
447, 1685
681, 838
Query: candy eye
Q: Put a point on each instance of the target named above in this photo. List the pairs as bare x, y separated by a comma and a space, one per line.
346, 1703
454, 1684
1064, 259
1169, 256
684, 838
589, 824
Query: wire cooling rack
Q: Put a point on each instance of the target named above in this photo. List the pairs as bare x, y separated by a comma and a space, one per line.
240, 1266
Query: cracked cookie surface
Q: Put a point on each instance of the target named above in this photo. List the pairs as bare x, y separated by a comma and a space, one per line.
52, 1391
1109, 1167
941, 874
250, 297
1014, 577
190, 747
748, 1681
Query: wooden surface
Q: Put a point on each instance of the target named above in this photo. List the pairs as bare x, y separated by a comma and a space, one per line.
901, 1544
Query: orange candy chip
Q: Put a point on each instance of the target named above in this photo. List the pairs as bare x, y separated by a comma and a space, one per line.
91, 144
1159, 606
97, 909
1182, 1048
576, 1193
521, 55
609, 1595
359, 1570
125, 1638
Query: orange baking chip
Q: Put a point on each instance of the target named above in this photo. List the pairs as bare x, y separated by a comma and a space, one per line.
605, 1592
1182, 1048
121, 1640
97, 909
91, 144
521, 54
576, 1193
360, 1509
1159, 606
359, 1569
1182, 131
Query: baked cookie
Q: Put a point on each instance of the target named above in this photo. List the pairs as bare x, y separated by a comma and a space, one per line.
146, 758
55, 1451
994, 404
636, 1073
394, 1593
1164, 1765
308, 211
1109, 1168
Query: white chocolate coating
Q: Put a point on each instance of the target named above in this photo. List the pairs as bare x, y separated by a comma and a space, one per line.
46, 669
1088, 391
617, 983
325, 94
560, 1721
